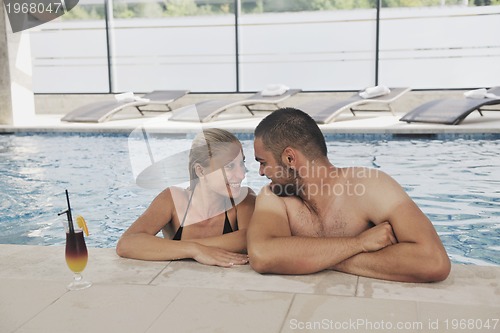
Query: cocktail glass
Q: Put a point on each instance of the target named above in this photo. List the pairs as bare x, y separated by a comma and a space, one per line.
76, 258
76, 250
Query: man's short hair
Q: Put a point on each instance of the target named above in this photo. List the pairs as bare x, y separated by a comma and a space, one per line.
290, 127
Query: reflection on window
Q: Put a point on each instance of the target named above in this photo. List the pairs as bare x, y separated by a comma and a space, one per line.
262, 6
123, 9
265, 6
94, 9
437, 3
170, 8
86, 10
276, 6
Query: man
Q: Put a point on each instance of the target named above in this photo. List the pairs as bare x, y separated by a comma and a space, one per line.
315, 216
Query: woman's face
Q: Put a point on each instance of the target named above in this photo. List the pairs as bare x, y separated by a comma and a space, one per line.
226, 171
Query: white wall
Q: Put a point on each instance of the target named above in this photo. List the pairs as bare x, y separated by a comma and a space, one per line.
441, 48
424, 48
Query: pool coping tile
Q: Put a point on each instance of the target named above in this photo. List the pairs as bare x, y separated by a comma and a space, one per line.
103, 308
189, 273
215, 310
343, 314
35, 297
48, 263
141, 296
466, 285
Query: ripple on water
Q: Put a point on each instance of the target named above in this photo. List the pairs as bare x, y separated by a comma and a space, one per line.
455, 182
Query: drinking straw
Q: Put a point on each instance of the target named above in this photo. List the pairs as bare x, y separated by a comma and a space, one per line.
68, 214
70, 217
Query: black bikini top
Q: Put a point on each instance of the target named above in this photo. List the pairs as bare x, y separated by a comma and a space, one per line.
227, 224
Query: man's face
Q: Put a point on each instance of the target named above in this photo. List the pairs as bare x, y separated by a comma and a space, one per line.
283, 179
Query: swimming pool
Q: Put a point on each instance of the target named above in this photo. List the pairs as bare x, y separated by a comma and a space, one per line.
456, 182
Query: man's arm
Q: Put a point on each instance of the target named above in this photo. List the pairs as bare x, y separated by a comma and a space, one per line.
419, 255
273, 249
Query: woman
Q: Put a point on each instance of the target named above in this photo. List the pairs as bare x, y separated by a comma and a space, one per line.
207, 221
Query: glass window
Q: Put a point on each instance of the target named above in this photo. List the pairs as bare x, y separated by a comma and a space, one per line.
174, 44
312, 45
309, 44
69, 53
442, 44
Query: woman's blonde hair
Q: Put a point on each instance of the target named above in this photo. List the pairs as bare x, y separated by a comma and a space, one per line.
207, 144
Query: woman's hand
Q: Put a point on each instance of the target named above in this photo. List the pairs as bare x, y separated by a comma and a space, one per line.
214, 256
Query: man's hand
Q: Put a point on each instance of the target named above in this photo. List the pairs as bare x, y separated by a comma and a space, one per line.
214, 256
377, 238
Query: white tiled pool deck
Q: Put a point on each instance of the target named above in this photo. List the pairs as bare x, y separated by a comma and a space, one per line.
184, 296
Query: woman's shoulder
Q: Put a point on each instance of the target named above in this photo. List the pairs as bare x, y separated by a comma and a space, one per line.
173, 192
251, 192
176, 190
249, 199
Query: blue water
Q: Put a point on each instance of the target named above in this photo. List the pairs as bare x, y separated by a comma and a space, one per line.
455, 182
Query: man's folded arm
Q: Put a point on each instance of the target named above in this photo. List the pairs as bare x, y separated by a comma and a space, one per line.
273, 249
419, 255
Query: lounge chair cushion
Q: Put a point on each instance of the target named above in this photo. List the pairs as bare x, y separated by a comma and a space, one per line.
274, 90
207, 110
130, 97
125, 97
325, 111
376, 91
476, 93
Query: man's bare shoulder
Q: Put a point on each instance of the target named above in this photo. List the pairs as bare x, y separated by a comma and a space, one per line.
375, 180
378, 178
359, 174
267, 193
381, 194
267, 198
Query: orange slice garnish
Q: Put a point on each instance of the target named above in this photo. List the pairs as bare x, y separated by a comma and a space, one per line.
82, 224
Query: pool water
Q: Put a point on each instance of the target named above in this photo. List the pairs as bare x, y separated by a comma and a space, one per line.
456, 183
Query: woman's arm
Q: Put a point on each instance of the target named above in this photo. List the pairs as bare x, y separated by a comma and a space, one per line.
139, 241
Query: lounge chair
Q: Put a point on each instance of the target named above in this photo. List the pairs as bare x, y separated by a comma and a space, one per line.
207, 110
451, 111
325, 111
101, 111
